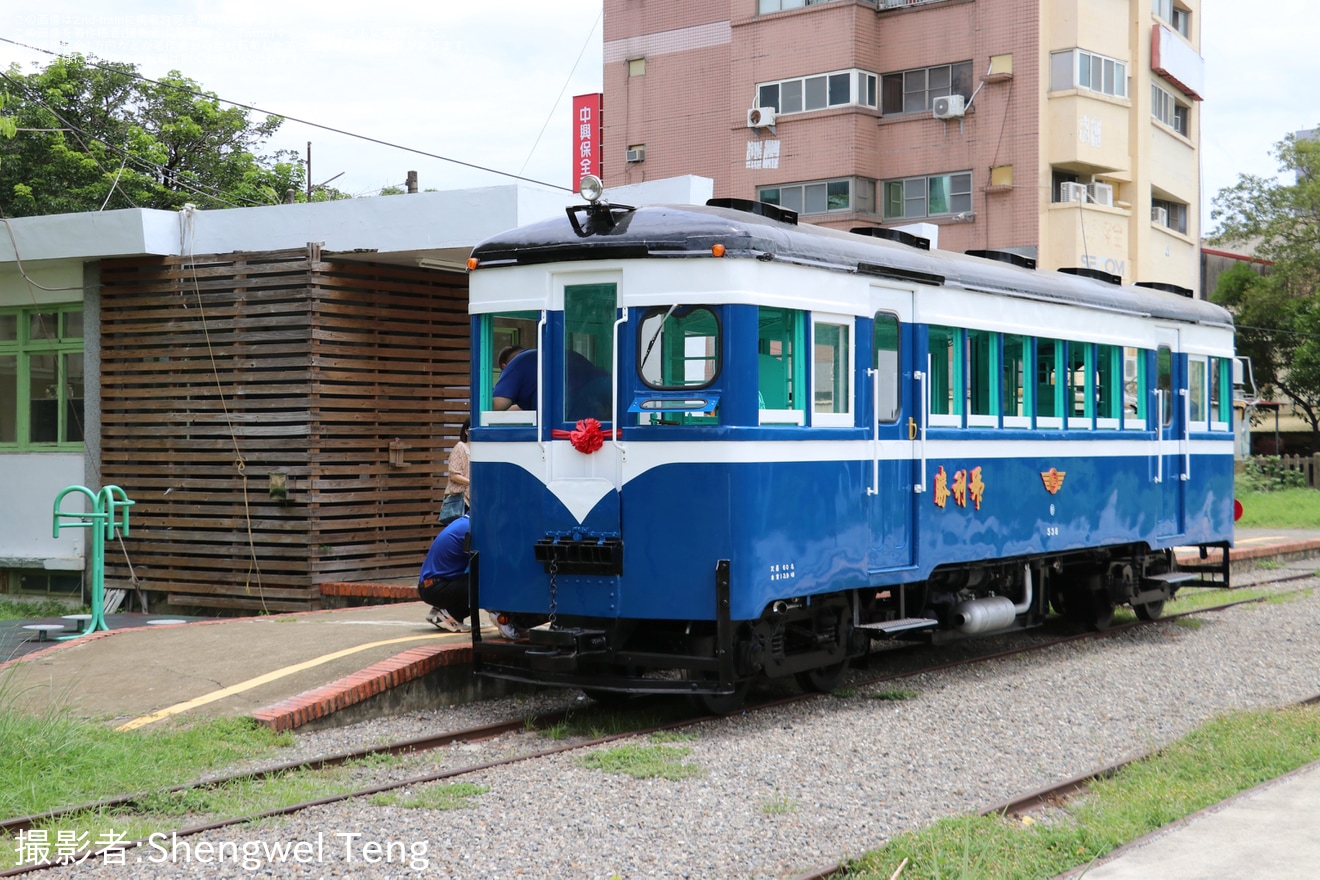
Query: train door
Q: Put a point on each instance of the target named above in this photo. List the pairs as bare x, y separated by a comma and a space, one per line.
1171, 444
893, 432
584, 473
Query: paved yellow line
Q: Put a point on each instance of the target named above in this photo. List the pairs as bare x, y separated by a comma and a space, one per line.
267, 678
1258, 540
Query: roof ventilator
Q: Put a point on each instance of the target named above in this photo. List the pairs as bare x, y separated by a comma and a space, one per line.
1097, 274
1005, 257
1167, 288
762, 209
897, 235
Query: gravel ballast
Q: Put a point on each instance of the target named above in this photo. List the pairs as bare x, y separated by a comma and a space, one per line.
790, 789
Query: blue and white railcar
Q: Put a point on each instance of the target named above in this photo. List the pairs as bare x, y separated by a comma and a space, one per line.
813, 438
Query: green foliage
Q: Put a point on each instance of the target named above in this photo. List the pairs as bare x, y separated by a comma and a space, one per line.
1281, 509
1277, 312
97, 135
1266, 473
20, 609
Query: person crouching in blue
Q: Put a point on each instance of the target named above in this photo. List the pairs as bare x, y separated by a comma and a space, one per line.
443, 582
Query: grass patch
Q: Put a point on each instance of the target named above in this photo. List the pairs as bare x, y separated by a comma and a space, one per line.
1284, 509
779, 805
643, 762
21, 609
54, 760
1220, 759
456, 796
1188, 623
672, 736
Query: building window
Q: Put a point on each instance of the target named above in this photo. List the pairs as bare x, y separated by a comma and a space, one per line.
822, 197
1172, 215
914, 91
1166, 108
1179, 19
935, 196
637, 67
801, 94
41, 377
765, 7
1079, 69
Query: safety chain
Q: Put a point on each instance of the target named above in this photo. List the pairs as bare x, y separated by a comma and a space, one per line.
554, 590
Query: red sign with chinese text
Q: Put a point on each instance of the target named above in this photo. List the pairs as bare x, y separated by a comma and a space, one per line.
587, 136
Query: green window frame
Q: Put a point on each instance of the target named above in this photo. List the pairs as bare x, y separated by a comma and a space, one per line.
1108, 386
1081, 369
1015, 401
982, 366
1221, 400
781, 373
42, 378
1049, 384
499, 330
1134, 387
944, 345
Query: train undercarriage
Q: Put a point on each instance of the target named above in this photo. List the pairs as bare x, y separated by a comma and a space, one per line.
815, 638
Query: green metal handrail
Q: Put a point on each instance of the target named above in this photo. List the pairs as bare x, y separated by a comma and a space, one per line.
109, 513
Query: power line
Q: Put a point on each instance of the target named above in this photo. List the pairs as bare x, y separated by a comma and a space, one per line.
316, 125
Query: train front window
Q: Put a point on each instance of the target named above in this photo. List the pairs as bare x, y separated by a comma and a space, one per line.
588, 377
678, 347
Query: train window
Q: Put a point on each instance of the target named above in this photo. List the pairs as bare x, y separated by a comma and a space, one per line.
946, 375
885, 342
1108, 386
1221, 405
1079, 388
588, 380
1049, 388
1134, 388
1164, 383
982, 357
780, 372
1196, 378
678, 347
502, 334
1014, 403
831, 346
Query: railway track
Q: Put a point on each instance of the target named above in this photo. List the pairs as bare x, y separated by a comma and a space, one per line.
418, 746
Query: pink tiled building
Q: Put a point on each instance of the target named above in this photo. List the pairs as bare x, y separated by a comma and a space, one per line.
1063, 130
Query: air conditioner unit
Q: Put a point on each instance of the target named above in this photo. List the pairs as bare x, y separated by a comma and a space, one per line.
950, 107
1160, 216
1073, 192
760, 117
1102, 194
637, 155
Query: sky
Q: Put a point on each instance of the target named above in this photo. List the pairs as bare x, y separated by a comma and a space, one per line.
490, 83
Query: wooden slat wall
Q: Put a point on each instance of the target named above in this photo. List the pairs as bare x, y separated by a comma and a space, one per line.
220, 370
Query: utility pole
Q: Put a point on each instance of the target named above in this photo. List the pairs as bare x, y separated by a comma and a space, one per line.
309, 172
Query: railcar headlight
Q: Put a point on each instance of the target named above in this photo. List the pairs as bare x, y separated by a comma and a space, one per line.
591, 188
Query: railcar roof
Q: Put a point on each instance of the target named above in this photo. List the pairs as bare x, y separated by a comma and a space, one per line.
690, 231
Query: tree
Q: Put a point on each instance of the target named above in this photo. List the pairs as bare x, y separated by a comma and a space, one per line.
95, 135
1277, 312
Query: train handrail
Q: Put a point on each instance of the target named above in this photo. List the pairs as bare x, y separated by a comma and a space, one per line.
1186, 441
540, 384
1159, 434
615, 428
920, 376
874, 488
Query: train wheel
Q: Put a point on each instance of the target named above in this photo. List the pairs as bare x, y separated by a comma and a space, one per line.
823, 680
1090, 605
1149, 610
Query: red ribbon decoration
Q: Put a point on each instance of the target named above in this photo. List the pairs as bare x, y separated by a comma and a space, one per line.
586, 437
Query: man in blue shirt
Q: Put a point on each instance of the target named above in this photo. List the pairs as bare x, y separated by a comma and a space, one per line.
516, 387
443, 582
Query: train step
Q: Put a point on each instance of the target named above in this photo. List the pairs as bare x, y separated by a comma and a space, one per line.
905, 624
1172, 578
